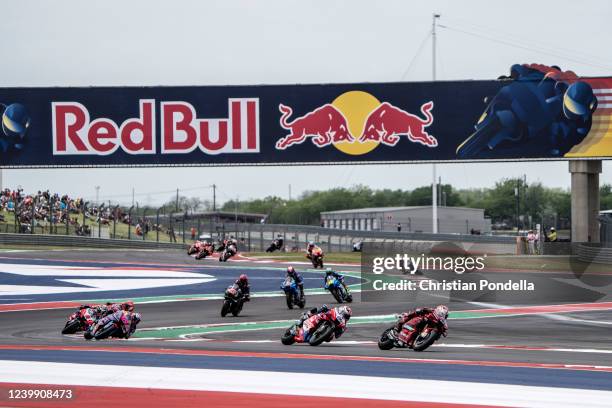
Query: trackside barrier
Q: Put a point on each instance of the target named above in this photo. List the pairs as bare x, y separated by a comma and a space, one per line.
76, 241
257, 237
593, 253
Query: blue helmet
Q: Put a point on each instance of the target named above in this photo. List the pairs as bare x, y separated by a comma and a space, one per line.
15, 123
579, 101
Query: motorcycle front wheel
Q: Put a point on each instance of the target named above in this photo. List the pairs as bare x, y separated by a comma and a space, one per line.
71, 327
386, 341
105, 332
225, 308
322, 333
422, 343
288, 338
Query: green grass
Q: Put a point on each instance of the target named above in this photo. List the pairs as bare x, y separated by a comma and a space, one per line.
346, 257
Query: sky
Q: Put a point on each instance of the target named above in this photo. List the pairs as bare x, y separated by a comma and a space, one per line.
150, 42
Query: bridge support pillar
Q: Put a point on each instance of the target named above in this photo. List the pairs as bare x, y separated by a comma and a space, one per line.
585, 200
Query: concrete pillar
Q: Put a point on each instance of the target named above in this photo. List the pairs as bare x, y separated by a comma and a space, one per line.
585, 200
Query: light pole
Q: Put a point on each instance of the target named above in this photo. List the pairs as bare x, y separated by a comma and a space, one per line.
434, 187
97, 195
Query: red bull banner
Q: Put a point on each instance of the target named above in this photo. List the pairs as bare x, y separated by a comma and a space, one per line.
534, 112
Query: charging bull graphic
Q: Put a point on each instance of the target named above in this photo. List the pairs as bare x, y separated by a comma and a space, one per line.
387, 123
330, 124
325, 125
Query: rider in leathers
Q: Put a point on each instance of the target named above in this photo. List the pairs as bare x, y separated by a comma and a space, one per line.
409, 322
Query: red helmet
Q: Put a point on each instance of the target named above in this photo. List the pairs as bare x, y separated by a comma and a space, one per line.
243, 278
129, 306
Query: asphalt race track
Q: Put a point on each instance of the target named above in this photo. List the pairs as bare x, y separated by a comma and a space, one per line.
549, 354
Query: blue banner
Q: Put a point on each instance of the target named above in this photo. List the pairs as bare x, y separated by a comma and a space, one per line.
536, 112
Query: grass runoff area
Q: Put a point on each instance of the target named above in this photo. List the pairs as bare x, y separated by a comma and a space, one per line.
552, 263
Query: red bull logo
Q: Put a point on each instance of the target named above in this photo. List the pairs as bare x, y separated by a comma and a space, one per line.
356, 123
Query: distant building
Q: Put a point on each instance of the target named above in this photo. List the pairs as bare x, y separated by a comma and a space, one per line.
451, 220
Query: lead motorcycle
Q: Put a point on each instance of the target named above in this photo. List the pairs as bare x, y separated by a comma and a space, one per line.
429, 332
233, 301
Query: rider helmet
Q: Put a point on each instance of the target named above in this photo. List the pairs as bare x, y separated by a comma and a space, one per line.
345, 311
310, 244
243, 278
579, 101
128, 306
290, 270
441, 312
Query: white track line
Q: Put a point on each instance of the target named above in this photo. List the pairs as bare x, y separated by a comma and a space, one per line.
291, 383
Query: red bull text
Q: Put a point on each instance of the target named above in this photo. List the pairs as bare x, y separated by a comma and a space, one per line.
74, 133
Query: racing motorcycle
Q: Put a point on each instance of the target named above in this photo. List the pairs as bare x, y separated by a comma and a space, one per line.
227, 253
80, 320
113, 328
337, 290
429, 333
276, 245
205, 250
321, 325
292, 293
317, 259
234, 300
195, 248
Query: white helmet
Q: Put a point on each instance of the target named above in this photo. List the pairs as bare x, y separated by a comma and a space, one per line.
441, 312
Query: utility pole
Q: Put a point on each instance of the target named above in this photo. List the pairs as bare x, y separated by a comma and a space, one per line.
434, 189
289, 192
97, 195
214, 187
516, 196
177, 194
236, 211
132, 196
